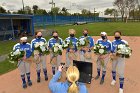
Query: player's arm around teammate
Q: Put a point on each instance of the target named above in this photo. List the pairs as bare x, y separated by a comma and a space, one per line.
118, 62
38, 38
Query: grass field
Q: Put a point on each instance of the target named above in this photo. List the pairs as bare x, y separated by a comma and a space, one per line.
129, 29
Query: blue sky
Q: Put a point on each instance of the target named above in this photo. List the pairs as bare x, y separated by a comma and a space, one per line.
74, 5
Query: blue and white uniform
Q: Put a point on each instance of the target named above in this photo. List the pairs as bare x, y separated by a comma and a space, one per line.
43, 58
106, 58
59, 87
118, 63
24, 67
82, 52
74, 41
51, 42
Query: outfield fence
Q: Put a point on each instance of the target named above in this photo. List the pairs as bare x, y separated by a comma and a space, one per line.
61, 20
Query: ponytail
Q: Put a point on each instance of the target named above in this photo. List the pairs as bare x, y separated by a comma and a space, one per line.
73, 76
73, 88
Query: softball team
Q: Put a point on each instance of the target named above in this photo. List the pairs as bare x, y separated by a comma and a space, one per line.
72, 73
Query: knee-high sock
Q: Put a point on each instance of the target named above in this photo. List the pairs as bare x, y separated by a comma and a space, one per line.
45, 72
23, 79
121, 82
38, 73
98, 71
28, 76
114, 75
53, 70
103, 74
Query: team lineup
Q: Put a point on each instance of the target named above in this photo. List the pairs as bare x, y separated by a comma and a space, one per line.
107, 50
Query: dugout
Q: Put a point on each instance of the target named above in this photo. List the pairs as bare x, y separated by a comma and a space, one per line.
13, 25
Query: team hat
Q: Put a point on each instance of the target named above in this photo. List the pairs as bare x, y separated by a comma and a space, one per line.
103, 33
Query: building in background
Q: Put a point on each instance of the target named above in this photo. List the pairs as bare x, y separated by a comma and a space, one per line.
14, 25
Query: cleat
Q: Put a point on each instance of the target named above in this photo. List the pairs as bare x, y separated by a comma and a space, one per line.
102, 82
24, 85
38, 80
97, 77
30, 83
120, 90
113, 82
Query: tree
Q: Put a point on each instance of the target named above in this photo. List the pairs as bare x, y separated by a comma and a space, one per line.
129, 6
28, 10
55, 10
111, 12
2, 10
35, 8
64, 11
85, 12
41, 12
121, 6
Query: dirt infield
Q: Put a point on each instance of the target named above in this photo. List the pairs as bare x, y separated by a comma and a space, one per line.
11, 82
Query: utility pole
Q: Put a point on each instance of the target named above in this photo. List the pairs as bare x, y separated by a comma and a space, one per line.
23, 4
52, 3
94, 14
53, 14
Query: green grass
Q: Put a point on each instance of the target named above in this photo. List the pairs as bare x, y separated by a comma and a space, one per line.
128, 29
6, 46
6, 66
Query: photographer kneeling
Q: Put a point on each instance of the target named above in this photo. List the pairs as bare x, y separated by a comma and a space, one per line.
71, 85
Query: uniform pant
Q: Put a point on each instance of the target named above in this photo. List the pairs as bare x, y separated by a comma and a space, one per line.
120, 64
24, 69
102, 63
82, 57
68, 61
58, 61
43, 63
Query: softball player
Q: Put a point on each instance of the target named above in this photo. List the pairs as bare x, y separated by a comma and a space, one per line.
91, 44
51, 42
23, 66
105, 58
119, 62
73, 50
39, 38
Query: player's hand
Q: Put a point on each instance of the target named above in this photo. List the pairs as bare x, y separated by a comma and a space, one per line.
24, 58
60, 68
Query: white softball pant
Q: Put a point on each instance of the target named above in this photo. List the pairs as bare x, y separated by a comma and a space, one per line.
23, 67
43, 63
82, 57
119, 64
